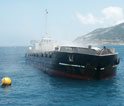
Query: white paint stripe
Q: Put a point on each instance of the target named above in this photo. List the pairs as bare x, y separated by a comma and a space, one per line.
73, 65
102, 68
114, 66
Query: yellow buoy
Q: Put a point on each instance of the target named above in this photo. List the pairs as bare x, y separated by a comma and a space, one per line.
6, 81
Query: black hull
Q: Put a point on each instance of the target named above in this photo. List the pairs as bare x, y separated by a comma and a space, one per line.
77, 66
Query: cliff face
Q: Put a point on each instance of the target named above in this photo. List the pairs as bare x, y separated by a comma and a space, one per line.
105, 36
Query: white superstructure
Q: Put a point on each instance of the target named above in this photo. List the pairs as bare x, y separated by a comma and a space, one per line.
45, 45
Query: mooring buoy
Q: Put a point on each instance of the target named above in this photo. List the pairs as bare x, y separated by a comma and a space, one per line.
6, 81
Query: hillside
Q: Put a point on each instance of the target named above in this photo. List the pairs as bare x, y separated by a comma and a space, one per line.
106, 36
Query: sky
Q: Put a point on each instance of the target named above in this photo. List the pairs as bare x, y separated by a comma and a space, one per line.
24, 20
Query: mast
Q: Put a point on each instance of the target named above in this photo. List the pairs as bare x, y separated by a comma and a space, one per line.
46, 22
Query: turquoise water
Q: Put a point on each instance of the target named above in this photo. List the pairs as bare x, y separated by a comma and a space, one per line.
32, 87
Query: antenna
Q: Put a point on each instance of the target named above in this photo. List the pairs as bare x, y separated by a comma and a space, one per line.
46, 22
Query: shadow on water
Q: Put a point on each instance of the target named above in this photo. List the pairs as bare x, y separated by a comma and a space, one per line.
98, 92
60, 82
68, 82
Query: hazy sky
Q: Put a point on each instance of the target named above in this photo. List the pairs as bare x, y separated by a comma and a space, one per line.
24, 20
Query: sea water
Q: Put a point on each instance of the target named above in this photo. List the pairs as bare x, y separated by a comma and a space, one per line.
32, 87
